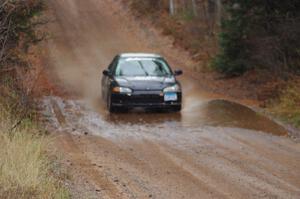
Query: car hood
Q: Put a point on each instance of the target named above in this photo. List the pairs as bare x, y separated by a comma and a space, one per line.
145, 83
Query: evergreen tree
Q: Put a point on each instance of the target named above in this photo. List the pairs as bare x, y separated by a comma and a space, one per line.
259, 33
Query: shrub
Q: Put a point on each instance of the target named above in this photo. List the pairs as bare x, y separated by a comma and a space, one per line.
16, 23
288, 106
146, 6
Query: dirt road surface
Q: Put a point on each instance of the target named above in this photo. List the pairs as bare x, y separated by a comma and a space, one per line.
212, 149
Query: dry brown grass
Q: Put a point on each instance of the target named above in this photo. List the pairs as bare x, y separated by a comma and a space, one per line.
288, 105
25, 170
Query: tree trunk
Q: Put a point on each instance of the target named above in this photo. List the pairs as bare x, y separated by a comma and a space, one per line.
194, 5
172, 7
219, 12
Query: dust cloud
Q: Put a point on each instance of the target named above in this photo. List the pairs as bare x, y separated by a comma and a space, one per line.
85, 40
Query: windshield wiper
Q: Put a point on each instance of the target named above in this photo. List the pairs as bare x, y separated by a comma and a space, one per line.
141, 65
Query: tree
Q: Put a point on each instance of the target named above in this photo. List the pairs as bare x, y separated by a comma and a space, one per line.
194, 6
172, 7
259, 34
15, 20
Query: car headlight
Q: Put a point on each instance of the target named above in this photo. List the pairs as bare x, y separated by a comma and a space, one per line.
174, 88
121, 90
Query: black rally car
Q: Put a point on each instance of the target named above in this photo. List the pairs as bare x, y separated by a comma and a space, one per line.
141, 80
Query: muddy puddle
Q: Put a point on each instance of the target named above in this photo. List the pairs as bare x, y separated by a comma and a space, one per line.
78, 115
218, 113
224, 113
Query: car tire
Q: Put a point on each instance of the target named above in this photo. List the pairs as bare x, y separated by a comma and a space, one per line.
110, 107
123, 110
177, 108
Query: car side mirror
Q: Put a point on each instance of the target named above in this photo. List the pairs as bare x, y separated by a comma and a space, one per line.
178, 72
106, 73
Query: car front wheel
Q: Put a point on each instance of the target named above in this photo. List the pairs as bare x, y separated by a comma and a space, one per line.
176, 108
110, 107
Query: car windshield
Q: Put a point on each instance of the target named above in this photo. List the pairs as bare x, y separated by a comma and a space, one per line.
142, 67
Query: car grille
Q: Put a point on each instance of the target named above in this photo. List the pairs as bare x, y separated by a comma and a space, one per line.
145, 98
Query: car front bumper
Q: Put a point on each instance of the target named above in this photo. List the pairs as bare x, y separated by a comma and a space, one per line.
144, 99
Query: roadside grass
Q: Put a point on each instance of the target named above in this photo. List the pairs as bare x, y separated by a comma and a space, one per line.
288, 105
26, 171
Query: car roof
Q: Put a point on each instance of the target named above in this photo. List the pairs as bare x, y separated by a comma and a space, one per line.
134, 55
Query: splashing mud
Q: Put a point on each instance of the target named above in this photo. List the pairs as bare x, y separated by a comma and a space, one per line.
215, 113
